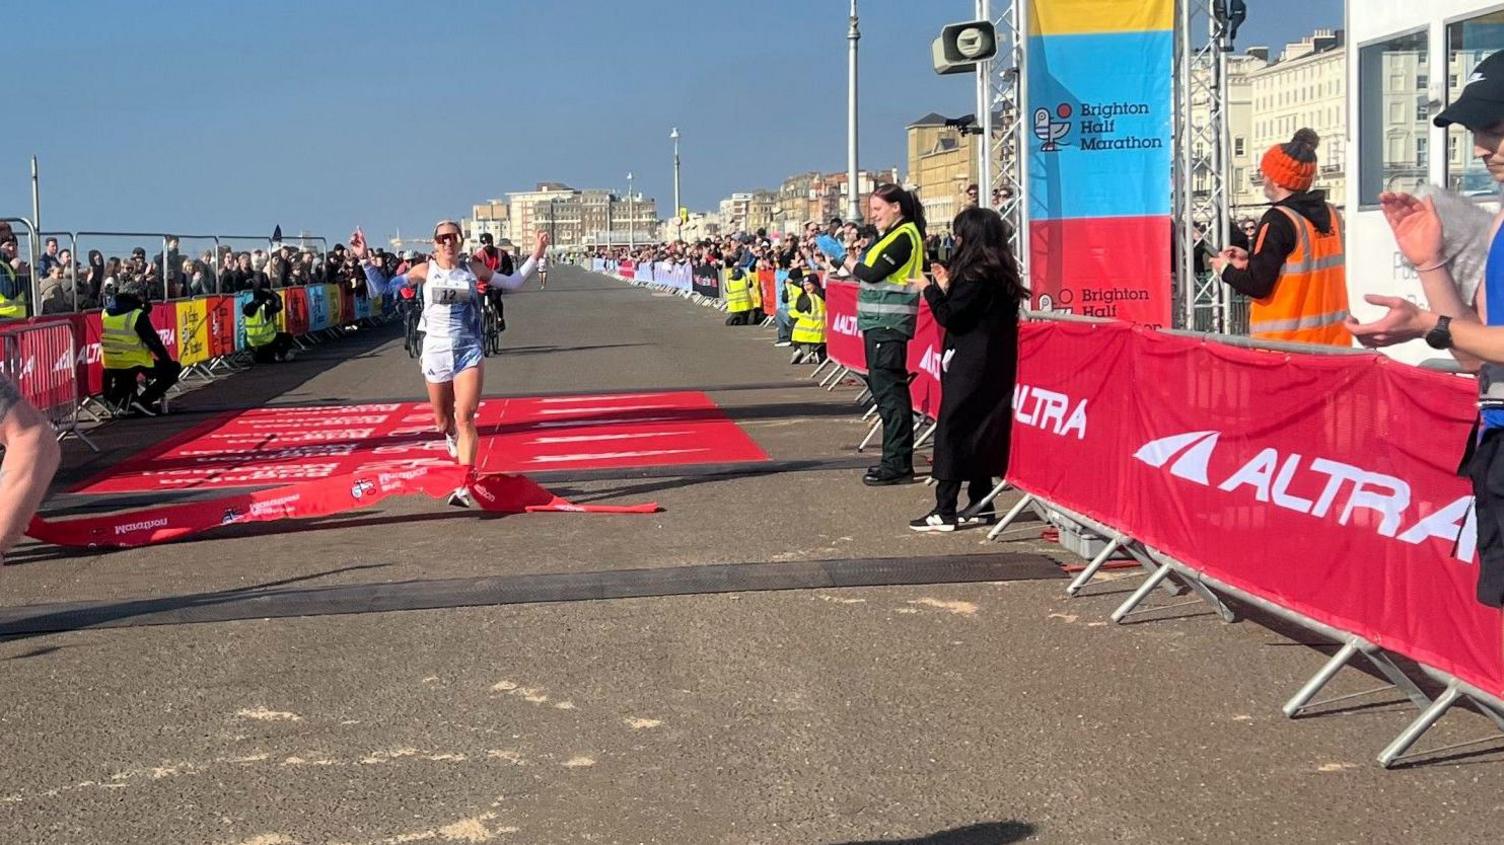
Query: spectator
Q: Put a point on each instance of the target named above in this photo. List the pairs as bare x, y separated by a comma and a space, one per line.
976, 301
1295, 272
738, 295
973, 195
15, 280
95, 276
808, 311
49, 258
267, 344
131, 349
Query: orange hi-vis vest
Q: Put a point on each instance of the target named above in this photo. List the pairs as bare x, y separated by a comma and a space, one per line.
1309, 302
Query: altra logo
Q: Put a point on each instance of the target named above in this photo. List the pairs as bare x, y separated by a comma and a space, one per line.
845, 325
1315, 487
931, 362
1049, 410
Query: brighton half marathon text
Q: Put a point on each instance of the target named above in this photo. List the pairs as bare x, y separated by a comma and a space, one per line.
1103, 303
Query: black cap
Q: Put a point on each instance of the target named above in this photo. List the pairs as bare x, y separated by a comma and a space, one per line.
1481, 103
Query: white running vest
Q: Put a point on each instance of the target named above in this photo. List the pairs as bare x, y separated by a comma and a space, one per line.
450, 303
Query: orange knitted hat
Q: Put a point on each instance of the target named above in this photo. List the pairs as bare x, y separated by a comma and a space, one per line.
1292, 166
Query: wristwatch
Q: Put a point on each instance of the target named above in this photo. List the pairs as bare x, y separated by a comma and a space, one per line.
1441, 336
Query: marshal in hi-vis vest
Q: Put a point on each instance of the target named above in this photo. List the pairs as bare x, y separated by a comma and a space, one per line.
259, 329
120, 346
809, 324
892, 303
738, 291
1309, 302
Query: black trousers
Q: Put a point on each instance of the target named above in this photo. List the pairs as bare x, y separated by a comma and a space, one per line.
120, 385
739, 318
948, 492
272, 351
1485, 466
888, 377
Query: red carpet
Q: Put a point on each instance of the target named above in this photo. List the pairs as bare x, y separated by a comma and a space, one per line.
274, 446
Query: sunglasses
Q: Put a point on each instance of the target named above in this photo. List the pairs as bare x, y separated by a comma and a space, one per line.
447, 238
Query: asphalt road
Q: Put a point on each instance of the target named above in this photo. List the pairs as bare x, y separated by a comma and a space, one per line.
685, 677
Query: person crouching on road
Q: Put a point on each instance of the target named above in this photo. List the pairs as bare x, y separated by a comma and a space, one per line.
131, 348
1296, 272
976, 301
807, 310
738, 296
887, 310
267, 344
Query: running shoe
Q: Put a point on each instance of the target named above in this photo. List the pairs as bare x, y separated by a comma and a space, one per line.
933, 522
142, 410
452, 445
460, 498
783, 344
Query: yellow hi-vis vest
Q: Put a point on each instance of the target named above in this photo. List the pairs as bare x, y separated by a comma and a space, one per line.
892, 303
738, 292
809, 325
122, 348
12, 309
259, 330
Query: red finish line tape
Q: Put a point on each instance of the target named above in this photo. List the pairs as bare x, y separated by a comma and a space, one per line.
492, 492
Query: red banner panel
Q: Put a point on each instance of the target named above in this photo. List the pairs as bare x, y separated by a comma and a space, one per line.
164, 318
843, 341
221, 311
1326, 484
1079, 266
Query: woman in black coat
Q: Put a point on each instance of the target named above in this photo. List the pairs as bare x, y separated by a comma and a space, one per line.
976, 300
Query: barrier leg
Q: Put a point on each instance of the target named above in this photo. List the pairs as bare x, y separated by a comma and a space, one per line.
928, 433
1416, 729
834, 378
1096, 564
820, 369
1141, 593
1302, 699
861, 398
871, 433
1011, 515
871, 412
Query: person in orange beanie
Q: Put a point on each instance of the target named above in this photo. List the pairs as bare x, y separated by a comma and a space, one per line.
1295, 268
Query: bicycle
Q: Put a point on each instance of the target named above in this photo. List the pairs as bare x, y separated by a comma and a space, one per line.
494, 323
412, 338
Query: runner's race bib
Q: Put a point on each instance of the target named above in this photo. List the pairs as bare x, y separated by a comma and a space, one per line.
449, 291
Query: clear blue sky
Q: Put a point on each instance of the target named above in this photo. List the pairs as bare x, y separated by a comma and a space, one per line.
225, 115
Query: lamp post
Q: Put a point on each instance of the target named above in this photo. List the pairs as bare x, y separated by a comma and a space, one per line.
678, 218
553, 229
853, 201
631, 215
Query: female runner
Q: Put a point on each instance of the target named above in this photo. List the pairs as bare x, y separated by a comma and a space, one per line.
454, 344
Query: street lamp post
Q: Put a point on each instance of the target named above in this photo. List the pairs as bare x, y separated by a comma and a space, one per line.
853, 202
631, 215
678, 218
553, 228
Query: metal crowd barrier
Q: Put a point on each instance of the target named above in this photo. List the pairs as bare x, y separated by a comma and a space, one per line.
42, 360
1179, 578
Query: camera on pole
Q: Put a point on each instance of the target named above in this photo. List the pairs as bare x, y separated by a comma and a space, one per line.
962, 45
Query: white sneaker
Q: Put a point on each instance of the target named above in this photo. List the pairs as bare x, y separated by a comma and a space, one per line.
933, 523
798, 356
460, 498
142, 409
783, 344
452, 445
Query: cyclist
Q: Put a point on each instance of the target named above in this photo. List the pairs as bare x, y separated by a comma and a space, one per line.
454, 345
497, 260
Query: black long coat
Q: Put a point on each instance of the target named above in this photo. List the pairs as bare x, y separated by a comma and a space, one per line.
976, 406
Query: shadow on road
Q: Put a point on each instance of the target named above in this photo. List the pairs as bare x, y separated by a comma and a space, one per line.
987, 833
67, 617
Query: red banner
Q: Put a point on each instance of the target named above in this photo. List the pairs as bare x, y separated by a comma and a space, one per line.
767, 285
295, 301
843, 341
221, 311
495, 493
90, 329
627, 270
47, 372
1325, 484
164, 318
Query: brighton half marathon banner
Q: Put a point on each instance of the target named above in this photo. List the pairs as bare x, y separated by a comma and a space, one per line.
1099, 124
1324, 484
492, 492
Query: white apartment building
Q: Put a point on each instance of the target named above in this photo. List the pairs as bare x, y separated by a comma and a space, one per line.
1306, 87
